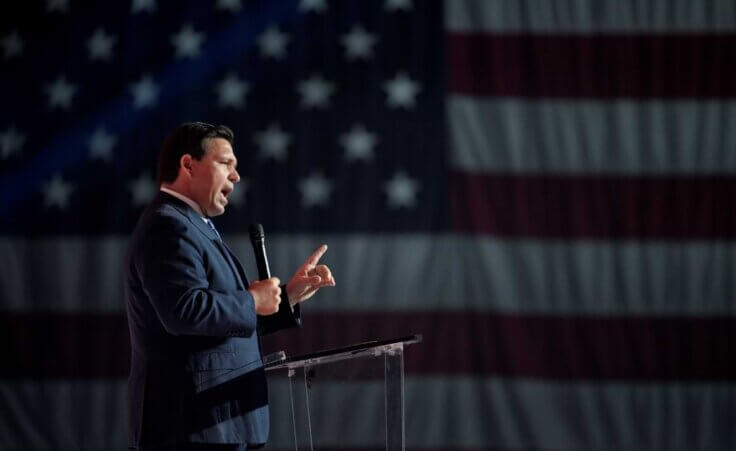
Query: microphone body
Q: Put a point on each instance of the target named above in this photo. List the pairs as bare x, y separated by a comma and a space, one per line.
258, 240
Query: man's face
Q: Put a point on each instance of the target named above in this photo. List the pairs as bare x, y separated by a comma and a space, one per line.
214, 176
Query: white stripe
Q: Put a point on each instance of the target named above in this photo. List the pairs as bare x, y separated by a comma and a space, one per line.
62, 274
441, 412
617, 137
416, 272
585, 16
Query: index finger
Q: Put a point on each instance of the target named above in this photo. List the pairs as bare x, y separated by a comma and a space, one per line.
316, 255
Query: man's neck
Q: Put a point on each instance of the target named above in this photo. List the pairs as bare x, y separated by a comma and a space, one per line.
168, 189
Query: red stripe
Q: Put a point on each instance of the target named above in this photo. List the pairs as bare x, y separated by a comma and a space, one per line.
600, 66
64, 346
549, 206
618, 348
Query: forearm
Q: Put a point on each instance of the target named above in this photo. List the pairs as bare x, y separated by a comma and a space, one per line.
208, 312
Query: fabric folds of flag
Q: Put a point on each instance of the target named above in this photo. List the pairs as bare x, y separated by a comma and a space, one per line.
542, 189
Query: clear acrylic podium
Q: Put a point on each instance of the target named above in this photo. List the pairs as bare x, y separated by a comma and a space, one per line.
363, 364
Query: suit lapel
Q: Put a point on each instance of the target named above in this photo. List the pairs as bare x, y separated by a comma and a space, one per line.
238, 266
195, 219
231, 261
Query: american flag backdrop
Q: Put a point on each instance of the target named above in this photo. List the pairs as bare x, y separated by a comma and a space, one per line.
546, 190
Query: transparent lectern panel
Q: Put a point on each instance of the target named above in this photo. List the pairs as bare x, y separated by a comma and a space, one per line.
394, 399
353, 403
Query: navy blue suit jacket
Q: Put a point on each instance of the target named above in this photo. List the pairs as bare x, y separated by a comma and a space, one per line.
196, 371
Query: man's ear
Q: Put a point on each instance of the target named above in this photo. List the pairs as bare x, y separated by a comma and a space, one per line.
185, 163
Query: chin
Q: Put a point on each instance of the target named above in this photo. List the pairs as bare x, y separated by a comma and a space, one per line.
215, 211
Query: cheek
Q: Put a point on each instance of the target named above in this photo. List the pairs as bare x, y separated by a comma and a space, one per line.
222, 179
216, 182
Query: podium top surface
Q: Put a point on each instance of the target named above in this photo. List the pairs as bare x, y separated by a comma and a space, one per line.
376, 347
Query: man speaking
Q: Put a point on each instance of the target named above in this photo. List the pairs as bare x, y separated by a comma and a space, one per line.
196, 379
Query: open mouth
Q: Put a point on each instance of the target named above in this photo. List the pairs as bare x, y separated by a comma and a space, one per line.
225, 192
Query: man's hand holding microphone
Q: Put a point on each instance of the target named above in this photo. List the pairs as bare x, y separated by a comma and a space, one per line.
266, 295
307, 280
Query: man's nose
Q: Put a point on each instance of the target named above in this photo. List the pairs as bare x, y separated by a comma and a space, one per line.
234, 176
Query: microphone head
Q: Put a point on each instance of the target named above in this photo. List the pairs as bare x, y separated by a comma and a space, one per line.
256, 232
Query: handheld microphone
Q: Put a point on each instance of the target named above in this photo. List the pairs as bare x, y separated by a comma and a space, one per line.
258, 239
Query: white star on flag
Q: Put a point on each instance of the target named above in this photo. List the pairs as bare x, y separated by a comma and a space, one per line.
401, 91
60, 93
187, 42
232, 91
101, 144
315, 190
237, 195
273, 142
61, 6
401, 191
358, 43
143, 5
143, 189
57, 192
100, 45
315, 92
317, 6
12, 45
273, 43
233, 6
358, 143
11, 142
145, 92
393, 5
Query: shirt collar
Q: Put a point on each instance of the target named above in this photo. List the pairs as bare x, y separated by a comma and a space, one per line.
186, 200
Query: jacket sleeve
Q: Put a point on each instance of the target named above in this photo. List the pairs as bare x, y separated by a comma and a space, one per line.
170, 267
287, 317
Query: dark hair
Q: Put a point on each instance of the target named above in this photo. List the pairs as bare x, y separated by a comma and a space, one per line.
188, 138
